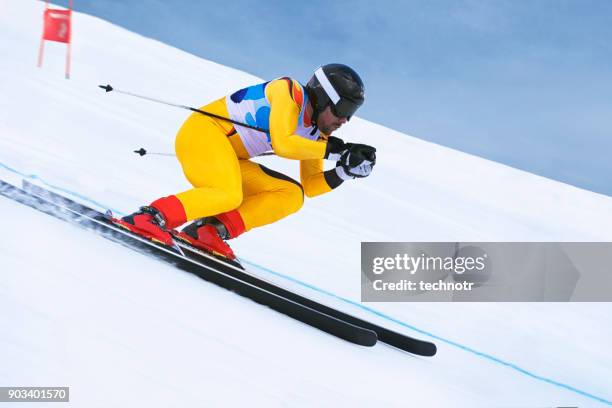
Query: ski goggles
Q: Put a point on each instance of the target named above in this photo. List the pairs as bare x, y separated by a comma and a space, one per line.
345, 108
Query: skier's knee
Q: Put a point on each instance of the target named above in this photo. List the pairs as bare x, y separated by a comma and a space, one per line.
234, 199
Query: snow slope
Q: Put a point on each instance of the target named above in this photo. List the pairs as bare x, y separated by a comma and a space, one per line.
123, 330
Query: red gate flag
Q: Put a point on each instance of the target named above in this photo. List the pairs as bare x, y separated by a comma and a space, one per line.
57, 25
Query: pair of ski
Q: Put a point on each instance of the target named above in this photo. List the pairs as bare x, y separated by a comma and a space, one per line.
221, 271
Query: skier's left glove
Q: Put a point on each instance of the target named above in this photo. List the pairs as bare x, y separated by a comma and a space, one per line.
357, 162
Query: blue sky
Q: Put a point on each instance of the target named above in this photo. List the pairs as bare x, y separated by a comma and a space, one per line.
526, 83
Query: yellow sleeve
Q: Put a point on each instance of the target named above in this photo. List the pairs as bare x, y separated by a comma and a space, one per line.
284, 114
314, 180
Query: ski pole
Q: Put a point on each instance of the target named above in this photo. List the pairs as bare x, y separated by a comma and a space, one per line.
142, 151
109, 88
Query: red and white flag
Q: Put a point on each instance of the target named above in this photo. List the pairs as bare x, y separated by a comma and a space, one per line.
56, 27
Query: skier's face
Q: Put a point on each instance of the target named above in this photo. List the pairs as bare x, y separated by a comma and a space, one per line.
328, 122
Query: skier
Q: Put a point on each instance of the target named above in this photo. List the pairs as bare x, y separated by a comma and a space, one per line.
232, 194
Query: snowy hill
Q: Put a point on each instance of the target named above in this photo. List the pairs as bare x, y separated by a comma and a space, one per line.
122, 330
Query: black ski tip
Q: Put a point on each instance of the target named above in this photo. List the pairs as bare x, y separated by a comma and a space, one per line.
141, 151
107, 88
368, 338
428, 350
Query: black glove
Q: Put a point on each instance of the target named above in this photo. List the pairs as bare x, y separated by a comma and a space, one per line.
347, 172
335, 148
357, 162
356, 153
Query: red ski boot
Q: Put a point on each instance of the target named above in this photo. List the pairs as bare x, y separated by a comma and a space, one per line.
149, 223
209, 234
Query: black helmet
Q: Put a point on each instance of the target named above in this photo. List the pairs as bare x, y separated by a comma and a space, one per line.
336, 85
